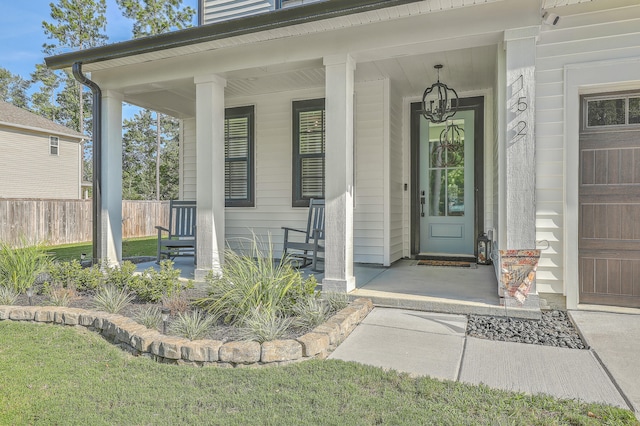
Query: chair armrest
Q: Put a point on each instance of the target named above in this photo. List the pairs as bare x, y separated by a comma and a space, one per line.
293, 229
161, 228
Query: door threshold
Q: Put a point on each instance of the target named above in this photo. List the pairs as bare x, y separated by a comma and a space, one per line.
446, 256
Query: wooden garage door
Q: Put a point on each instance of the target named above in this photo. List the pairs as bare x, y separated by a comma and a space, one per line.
609, 230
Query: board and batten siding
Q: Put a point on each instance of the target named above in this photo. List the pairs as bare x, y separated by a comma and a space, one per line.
590, 37
273, 168
28, 170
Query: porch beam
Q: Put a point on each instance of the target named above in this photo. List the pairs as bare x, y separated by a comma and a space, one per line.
338, 274
110, 228
520, 183
209, 174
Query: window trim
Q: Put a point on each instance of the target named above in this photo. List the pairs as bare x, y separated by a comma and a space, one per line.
297, 200
55, 145
249, 112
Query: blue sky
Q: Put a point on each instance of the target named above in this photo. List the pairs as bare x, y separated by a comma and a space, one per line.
21, 34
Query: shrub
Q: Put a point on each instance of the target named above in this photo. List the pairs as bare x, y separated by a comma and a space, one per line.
263, 325
192, 325
177, 304
61, 296
112, 299
150, 317
21, 266
121, 276
67, 274
249, 282
153, 285
310, 313
8, 296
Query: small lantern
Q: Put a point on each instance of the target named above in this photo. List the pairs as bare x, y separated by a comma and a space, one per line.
484, 250
165, 318
30, 295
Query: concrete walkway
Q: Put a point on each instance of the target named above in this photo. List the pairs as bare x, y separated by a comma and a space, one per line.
435, 344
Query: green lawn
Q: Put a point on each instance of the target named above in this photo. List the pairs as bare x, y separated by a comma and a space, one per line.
131, 247
61, 375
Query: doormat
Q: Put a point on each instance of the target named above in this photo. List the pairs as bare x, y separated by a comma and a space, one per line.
448, 263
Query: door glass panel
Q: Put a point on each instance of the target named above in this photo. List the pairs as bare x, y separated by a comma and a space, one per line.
455, 192
446, 169
437, 191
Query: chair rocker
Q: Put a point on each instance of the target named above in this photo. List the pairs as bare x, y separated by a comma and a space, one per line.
310, 242
181, 239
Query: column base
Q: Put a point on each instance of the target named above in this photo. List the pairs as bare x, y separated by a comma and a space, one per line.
200, 274
339, 286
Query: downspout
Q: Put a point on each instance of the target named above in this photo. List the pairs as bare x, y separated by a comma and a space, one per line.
97, 158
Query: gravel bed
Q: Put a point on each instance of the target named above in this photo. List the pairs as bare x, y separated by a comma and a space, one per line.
554, 329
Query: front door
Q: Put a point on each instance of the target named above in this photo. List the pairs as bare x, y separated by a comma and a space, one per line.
447, 174
446, 186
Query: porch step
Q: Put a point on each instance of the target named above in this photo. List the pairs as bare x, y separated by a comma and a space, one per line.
529, 310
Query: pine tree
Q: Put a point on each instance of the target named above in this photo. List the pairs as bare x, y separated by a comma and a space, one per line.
76, 25
13, 89
153, 17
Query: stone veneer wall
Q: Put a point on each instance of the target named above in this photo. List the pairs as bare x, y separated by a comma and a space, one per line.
139, 340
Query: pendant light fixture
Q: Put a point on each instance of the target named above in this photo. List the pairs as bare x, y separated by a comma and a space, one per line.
439, 102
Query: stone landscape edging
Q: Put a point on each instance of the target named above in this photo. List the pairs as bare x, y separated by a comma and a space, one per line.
141, 341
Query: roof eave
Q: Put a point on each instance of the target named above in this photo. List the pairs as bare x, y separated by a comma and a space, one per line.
221, 30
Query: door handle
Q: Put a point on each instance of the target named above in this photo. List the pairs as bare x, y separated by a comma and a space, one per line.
422, 202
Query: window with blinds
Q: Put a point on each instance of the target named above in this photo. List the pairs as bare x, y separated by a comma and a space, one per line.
238, 156
308, 151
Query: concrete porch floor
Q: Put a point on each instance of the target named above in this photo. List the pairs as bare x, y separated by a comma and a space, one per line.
407, 285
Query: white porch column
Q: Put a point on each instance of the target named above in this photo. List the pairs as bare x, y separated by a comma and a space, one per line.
111, 207
338, 269
210, 173
519, 170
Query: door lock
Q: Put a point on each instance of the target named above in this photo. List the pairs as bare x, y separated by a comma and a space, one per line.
422, 202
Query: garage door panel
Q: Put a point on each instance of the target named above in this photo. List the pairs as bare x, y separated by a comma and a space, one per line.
587, 167
609, 217
602, 244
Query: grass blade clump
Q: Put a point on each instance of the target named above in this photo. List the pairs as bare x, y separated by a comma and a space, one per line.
150, 317
112, 299
194, 325
263, 325
310, 313
21, 266
336, 300
253, 280
8, 296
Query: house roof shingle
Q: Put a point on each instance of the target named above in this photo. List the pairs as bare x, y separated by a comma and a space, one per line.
12, 116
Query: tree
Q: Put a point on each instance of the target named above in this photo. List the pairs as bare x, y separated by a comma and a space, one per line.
43, 100
153, 17
138, 147
13, 89
77, 25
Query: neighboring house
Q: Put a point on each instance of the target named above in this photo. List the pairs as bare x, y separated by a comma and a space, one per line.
40, 158
324, 100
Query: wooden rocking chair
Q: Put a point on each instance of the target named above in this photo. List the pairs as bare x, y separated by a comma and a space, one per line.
311, 243
182, 231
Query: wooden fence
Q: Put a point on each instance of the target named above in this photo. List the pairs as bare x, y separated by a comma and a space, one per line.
70, 221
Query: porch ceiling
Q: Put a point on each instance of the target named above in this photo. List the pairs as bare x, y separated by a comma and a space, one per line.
464, 69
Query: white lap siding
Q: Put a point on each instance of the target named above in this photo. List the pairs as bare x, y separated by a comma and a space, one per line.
590, 37
273, 172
